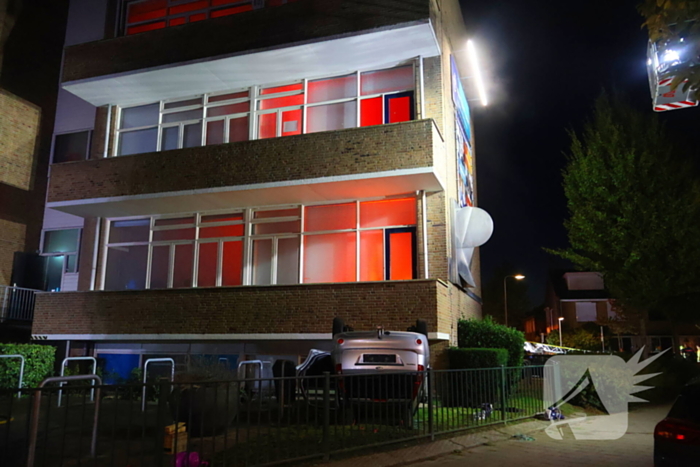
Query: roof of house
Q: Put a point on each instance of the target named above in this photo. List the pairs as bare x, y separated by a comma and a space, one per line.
556, 277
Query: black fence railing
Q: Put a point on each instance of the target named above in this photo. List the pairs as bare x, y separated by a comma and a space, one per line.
254, 422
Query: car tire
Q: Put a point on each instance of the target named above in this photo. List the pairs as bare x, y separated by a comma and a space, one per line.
338, 325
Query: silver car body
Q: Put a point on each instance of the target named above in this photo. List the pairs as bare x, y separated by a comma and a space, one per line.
376, 352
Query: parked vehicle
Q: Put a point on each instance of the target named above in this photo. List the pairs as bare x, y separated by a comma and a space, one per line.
677, 437
385, 367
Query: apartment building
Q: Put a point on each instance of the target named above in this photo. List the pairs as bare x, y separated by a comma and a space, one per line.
230, 175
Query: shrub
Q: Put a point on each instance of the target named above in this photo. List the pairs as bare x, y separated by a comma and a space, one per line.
38, 364
462, 359
487, 334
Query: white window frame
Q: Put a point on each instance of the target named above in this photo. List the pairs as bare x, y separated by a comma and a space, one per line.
65, 255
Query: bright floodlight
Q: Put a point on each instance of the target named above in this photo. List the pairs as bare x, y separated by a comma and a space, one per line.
477, 72
519, 277
561, 319
671, 56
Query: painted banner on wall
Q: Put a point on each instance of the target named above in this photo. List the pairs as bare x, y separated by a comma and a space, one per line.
463, 133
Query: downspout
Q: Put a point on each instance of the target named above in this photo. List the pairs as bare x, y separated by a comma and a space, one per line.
424, 208
421, 72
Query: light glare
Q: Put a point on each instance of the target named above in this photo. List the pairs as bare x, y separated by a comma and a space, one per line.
519, 277
671, 56
477, 72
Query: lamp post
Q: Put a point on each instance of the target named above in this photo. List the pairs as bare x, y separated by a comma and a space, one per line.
560, 342
517, 277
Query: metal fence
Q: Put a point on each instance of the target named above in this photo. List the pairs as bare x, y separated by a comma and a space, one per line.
255, 422
16, 304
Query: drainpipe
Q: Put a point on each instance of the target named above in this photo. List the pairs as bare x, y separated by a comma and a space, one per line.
424, 208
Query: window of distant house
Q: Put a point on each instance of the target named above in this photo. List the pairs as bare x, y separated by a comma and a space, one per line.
308, 106
61, 247
69, 147
586, 312
149, 15
354, 241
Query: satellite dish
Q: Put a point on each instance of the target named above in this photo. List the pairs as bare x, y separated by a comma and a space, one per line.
474, 227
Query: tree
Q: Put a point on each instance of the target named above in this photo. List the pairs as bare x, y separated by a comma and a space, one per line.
634, 206
581, 339
669, 22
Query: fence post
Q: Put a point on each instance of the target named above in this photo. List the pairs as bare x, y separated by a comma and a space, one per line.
503, 393
431, 427
326, 415
163, 392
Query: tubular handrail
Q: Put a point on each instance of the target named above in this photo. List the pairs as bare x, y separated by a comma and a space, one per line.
36, 408
145, 375
75, 359
21, 370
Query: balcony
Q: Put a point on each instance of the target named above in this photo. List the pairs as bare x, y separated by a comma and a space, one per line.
16, 305
287, 42
256, 312
357, 163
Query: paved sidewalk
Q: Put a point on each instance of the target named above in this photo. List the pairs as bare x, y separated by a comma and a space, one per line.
498, 447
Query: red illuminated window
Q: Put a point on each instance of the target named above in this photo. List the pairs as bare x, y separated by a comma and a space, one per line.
400, 260
371, 111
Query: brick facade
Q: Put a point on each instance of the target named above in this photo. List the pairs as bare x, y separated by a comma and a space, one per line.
312, 21
345, 152
19, 127
12, 236
303, 309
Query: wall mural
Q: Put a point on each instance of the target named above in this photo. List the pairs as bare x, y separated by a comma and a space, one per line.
465, 156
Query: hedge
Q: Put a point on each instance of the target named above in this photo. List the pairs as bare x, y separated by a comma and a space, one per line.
462, 359
38, 364
487, 334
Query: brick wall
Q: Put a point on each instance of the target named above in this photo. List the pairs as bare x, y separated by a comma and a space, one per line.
12, 235
299, 22
308, 308
19, 127
346, 152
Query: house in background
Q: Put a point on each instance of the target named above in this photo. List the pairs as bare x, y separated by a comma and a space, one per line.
578, 297
227, 176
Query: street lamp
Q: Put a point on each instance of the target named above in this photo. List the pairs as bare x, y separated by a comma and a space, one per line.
517, 277
560, 320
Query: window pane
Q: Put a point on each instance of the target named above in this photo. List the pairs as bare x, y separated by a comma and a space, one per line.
61, 241
138, 142
331, 117
372, 255
388, 212
185, 103
182, 116
215, 132
334, 88
288, 260
176, 234
160, 261
285, 88
330, 217
170, 139
267, 126
229, 109
71, 147
236, 216
184, 259
372, 111
329, 257
206, 271
400, 250
399, 107
193, 136
277, 102
222, 231
238, 130
226, 97
394, 79
189, 220
262, 262
136, 230
277, 227
54, 273
232, 267
143, 115
293, 212
291, 122
72, 263
126, 268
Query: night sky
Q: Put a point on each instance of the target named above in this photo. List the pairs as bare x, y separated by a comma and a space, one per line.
545, 62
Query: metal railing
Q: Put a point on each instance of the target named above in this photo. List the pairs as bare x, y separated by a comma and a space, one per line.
310, 417
16, 304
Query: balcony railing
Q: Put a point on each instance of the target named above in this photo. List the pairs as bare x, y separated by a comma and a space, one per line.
16, 304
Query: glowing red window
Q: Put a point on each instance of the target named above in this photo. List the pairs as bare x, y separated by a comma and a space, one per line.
277, 102
232, 264
231, 11
285, 88
176, 21
145, 27
399, 108
223, 2
198, 17
192, 6
400, 255
146, 11
208, 259
372, 255
371, 111
385, 213
291, 122
267, 126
